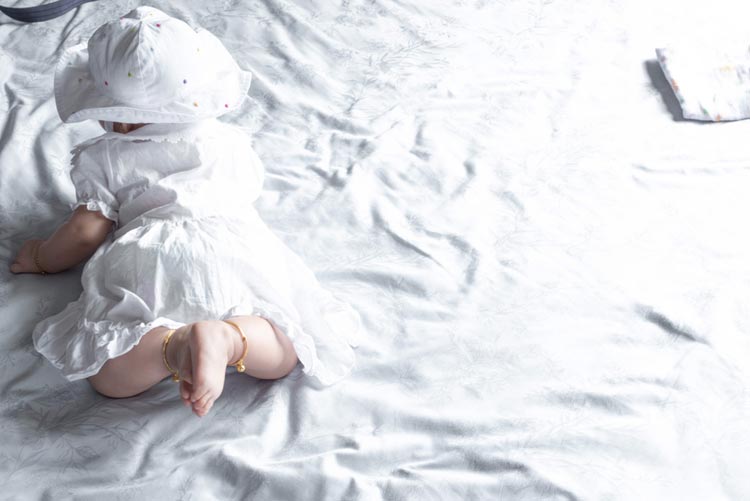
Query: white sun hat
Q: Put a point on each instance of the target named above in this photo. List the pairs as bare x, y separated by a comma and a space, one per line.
148, 67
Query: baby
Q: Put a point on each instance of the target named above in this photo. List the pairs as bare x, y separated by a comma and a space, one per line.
183, 278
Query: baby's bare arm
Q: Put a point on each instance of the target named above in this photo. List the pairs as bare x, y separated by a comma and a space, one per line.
74, 241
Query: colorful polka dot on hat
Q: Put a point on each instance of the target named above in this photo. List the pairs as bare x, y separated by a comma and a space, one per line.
144, 68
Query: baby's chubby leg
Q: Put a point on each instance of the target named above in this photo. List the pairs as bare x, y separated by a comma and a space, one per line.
204, 351
200, 352
135, 371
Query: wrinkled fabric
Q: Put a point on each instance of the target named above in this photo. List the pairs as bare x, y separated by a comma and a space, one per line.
552, 270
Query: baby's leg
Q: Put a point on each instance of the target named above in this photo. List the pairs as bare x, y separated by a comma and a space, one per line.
200, 352
134, 372
270, 355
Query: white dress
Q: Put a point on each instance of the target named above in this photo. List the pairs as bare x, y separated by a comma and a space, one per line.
187, 245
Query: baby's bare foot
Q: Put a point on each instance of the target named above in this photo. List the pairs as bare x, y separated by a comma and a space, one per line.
202, 351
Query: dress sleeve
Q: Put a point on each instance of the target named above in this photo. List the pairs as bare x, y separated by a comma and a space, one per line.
89, 176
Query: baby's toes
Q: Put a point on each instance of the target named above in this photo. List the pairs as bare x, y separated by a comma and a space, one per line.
186, 389
202, 411
200, 390
204, 387
202, 405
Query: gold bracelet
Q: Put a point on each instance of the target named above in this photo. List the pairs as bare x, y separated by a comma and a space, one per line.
35, 257
239, 364
175, 374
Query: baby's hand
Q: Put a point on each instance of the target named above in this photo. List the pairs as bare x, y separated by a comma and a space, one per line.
24, 262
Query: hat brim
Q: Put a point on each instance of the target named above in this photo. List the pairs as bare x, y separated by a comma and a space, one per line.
78, 97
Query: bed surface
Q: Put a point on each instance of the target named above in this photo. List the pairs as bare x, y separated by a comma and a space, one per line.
553, 268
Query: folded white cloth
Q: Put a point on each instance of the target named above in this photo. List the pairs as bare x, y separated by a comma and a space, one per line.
711, 83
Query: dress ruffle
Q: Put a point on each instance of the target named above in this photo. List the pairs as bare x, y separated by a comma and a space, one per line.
97, 205
326, 360
63, 345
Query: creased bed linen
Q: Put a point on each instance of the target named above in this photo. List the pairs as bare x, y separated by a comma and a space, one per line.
551, 266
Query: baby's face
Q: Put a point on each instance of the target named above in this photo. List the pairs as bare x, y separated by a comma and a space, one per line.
121, 128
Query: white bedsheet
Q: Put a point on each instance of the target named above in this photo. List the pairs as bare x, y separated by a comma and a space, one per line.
554, 271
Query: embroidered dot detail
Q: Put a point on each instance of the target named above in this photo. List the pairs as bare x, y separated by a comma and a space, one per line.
195, 103
80, 80
158, 25
106, 83
226, 105
184, 81
129, 74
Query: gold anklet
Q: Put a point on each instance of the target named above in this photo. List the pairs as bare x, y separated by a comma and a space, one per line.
175, 374
35, 257
239, 364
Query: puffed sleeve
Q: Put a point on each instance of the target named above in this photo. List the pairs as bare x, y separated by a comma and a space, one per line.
90, 175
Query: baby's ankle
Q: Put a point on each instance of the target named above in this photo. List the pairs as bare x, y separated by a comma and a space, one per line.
176, 345
233, 342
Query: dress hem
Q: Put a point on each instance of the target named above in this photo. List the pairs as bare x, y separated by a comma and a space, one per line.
304, 344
